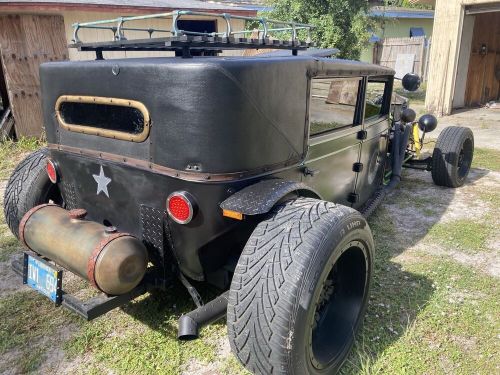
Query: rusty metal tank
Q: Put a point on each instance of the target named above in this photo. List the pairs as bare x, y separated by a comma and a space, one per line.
111, 261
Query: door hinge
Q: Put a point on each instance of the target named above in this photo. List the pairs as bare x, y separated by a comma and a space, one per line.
363, 134
353, 198
357, 167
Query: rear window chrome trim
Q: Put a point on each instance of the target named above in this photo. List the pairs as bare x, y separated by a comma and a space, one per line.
115, 134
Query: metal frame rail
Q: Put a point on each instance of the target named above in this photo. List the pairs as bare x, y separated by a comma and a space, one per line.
186, 40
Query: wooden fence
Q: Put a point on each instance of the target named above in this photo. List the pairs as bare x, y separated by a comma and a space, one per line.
387, 50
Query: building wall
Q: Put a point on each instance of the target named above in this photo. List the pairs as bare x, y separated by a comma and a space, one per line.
445, 50
463, 61
398, 28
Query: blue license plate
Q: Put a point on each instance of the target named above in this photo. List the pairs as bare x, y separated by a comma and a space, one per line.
43, 277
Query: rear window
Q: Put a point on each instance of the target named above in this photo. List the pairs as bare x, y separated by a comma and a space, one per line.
106, 117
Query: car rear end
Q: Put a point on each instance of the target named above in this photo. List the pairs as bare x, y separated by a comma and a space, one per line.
148, 149
107, 125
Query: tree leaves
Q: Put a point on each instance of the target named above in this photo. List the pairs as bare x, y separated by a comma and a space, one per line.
341, 24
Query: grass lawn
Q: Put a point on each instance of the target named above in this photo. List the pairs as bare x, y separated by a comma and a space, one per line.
433, 306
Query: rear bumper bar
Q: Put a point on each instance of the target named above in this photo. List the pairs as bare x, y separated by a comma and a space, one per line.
95, 306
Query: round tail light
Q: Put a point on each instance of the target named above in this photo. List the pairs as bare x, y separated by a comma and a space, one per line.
51, 171
181, 207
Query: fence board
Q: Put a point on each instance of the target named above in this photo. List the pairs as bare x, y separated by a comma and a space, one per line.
387, 50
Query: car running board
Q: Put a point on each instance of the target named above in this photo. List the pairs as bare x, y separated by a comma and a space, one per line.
95, 306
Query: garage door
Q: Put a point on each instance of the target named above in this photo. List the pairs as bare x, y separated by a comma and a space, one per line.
483, 79
26, 41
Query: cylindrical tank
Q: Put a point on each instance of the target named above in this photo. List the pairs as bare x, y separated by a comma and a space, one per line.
113, 262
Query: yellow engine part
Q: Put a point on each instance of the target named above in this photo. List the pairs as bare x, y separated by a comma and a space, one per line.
417, 145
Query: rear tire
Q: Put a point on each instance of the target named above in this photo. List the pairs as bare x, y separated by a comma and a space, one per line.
304, 273
28, 186
452, 156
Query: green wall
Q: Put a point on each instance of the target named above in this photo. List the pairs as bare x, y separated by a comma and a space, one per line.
398, 28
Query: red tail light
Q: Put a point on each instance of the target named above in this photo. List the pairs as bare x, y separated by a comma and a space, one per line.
181, 207
51, 171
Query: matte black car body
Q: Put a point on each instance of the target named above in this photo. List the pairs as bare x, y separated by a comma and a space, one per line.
218, 125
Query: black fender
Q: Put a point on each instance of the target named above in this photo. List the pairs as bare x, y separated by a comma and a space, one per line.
261, 197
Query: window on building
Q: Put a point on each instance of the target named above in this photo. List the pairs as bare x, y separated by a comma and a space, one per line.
333, 103
416, 32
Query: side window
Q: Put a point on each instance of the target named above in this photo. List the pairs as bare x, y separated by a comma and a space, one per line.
333, 103
376, 93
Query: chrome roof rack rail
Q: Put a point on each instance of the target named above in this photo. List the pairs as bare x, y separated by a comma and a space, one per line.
184, 40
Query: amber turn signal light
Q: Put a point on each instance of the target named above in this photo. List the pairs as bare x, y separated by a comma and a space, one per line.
232, 214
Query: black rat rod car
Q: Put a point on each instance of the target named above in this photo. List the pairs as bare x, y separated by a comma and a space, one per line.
254, 174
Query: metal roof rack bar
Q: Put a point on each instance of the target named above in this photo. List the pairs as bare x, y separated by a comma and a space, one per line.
226, 40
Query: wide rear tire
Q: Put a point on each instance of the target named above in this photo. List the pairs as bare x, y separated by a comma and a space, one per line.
300, 289
452, 156
28, 187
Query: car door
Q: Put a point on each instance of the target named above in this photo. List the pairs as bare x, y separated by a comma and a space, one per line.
334, 137
374, 148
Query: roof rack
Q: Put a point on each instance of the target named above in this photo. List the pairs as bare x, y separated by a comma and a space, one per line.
185, 41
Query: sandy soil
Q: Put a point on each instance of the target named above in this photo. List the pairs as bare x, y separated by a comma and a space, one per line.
485, 123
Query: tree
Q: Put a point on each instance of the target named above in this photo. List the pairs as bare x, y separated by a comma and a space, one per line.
408, 4
341, 24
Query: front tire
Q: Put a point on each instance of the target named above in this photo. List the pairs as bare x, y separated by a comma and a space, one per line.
28, 186
300, 289
452, 156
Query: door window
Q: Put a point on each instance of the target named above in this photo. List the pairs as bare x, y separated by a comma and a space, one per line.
376, 99
333, 103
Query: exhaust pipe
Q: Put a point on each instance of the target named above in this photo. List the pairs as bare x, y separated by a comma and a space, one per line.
113, 262
190, 323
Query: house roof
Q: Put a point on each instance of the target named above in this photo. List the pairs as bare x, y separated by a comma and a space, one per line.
259, 5
396, 12
154, 5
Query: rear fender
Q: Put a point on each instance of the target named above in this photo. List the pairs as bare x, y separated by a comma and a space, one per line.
261, 197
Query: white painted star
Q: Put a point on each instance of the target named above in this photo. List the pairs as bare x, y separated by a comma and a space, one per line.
102, 182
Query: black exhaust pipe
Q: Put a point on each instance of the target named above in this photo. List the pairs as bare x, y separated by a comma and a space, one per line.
190, 323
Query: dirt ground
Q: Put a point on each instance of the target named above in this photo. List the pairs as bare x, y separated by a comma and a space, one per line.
421, 232
484, 122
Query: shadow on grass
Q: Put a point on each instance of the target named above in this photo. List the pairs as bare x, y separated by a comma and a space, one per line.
162, 306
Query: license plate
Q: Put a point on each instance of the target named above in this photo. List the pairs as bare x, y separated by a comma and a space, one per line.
43, 277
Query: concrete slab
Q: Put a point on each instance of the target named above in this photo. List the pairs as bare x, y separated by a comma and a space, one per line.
484, 122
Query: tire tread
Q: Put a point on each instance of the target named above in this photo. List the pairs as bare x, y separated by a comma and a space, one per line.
20, 180
266, 282
449, 142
